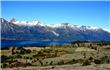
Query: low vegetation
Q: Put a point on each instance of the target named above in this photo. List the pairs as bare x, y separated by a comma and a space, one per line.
84, 53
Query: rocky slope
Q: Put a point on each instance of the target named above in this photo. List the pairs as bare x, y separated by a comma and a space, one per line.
35, 30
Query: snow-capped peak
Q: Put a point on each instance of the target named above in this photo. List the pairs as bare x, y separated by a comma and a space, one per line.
28, 23
107, 30
54, 25
62, 25
92, 27
13, 20
3, 20
59, 25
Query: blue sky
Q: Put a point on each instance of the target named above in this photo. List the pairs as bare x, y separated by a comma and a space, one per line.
55, 0
89, 13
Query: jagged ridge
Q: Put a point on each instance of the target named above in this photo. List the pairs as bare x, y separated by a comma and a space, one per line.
35, 30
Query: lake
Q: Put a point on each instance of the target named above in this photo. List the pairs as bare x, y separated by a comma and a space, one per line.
9, 43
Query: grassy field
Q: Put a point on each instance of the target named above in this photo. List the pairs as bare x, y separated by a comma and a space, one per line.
49, 56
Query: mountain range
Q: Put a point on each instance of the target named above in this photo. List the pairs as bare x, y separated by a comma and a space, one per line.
35, 30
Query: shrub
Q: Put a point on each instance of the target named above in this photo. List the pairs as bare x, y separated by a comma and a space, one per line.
73, 61
18, 56
80, 60
105, 59
86, 62
22, 51
51, 62
28, 64
40, 53
41, 62
3, 58
84, 55
90, 58
27, 57
28, 51
4, 65
97, 61
11, 60
18, 64
61, 62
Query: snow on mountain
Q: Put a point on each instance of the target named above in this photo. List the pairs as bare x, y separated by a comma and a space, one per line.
54, 25
28, 23
92, 28
62, 25
36, 30
106, 30
55, 33
3, 20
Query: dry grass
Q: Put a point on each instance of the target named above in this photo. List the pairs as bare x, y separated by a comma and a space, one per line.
79, 49
5, 52
36, 48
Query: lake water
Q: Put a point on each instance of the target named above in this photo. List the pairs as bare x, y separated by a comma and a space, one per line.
9, 43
